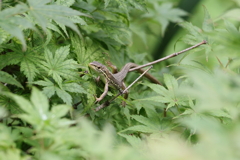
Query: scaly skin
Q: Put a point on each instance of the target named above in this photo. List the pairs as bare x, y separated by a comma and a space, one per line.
116, 80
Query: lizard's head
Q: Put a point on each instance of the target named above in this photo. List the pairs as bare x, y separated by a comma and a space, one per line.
97, 67
100, 69
105, 74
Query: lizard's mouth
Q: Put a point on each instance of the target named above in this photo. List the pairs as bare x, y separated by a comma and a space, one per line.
92, 68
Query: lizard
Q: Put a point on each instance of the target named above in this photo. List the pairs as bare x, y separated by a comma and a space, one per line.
117, 79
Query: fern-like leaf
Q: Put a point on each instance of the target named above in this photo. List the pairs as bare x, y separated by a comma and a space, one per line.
10, 21
86, 51
168, 95
126, 5
58, 67
113, 33
49, 89
152, 124
197, 34
28, 61
44, 12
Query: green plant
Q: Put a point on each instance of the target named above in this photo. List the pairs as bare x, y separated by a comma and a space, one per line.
47, 94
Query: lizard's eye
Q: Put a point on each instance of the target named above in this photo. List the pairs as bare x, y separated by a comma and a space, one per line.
98, 67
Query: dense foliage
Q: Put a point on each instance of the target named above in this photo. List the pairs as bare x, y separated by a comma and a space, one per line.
47, 92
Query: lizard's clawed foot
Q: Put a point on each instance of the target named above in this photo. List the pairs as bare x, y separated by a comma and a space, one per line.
97, 79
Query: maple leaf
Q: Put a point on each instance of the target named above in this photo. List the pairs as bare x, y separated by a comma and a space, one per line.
164, 14
153, 123
44, 12
7, 78
50, 89
167, 95
13, 23
28, 60
58, 67
196, 34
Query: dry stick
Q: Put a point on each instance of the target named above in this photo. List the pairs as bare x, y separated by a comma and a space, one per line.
105, 104
167, 57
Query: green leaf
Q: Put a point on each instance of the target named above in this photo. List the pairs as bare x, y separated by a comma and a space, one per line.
65, 3
113, 33
141, 5
40, 103
151, 113
24, 104
85, 50
4, 36
136, 142
231, 14
231, 28
29, 69
79, 20
126, 5
164, 14
106, 2
213, 92
28, 61
7, 102
53, 27
7, 139
207, 25
170, 82
157, 99
158, 89
59, 111
66, 97
141, 128
7, 78
50, 89
74, 88
57, 66
146, 121
44, 12
169, 95
195, 33
11, 22
153, 124
187, 112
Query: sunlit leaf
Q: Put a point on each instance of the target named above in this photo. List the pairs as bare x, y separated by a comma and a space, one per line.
59, 111
40, 103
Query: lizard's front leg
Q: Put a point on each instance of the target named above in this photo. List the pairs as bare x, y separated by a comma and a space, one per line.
103, 94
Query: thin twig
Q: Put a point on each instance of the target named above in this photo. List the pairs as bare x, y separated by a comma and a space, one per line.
107, 103
167, 57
